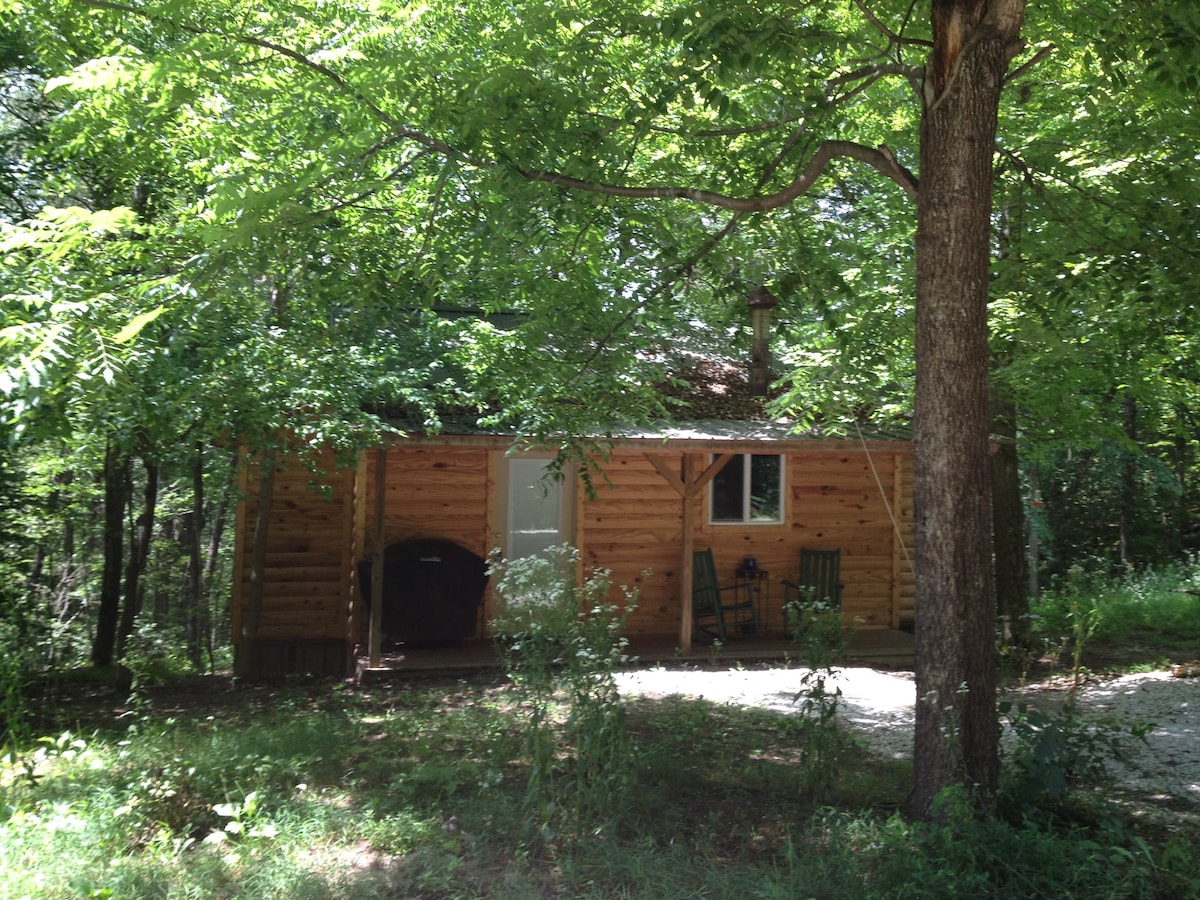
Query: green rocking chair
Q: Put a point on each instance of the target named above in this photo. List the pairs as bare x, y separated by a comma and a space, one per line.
720, 611
819, 582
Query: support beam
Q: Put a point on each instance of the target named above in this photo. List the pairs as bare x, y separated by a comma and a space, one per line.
690, 488
702, 480
668, 475
685, 566
375, 638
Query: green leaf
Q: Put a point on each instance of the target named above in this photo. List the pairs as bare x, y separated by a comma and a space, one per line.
136, 324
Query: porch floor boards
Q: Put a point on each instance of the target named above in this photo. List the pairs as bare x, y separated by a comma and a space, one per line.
878, 648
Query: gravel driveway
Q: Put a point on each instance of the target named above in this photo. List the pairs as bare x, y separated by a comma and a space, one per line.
879, 707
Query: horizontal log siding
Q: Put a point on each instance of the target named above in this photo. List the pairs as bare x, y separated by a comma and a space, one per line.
305, 592
905, 573
630, 526
434, 492
836, 504
833, 501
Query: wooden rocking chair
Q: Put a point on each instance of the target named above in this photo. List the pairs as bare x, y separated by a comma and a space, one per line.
720, 611
819, 582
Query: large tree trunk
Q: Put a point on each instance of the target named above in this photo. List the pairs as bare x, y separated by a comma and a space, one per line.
956, 739
116, 498
1008, 526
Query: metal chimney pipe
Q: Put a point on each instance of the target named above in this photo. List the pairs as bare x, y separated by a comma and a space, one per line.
760, 302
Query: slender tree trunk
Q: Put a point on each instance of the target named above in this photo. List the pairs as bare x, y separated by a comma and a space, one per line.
195, 615
957, 732
219, 519
1129, 481
139, 553
1008, 525
65, 577
116, 498
258, 560
1183, 519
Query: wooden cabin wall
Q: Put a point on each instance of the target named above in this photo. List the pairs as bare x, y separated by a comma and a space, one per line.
906, 575
309, 551
847, 501
833, 501
435, 492
633, 524
432, 492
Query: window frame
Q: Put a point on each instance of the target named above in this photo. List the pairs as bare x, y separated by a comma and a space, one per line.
747, 474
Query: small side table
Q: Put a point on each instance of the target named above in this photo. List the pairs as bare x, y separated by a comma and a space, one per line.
760, 584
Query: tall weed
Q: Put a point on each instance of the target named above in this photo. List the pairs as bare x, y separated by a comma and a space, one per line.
816, 626
1055, 751
561, 644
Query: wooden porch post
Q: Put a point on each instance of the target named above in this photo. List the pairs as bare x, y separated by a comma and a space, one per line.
897, 537
375, 638
689, 486
687, 518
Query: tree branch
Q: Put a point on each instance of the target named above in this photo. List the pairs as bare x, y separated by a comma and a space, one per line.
876, 71
892, 36
1020, 70
879, 159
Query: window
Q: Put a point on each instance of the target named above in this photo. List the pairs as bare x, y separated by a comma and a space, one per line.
748, 490
537, 508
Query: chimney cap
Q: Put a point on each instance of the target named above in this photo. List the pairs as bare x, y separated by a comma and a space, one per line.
761, 298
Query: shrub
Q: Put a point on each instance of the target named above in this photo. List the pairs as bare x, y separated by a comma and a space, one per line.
561, 643
1140, 605
822, 642
1054, 751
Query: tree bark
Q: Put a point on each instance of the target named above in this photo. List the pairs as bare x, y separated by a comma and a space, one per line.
218, 519
1182, 454
195, 551
957, 733
139, 552
116, 498
1008, 526
1129, 481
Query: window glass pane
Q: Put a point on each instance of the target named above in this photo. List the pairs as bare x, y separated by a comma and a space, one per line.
749, 495
765, 496
727, 492
535, 507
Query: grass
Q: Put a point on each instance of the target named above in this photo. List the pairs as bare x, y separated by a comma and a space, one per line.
319, 790
1142, 620
413, 789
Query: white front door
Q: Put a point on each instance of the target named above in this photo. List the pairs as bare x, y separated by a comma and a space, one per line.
537, 514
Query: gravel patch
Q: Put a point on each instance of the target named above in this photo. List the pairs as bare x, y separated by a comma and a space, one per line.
879, 707
1167, 766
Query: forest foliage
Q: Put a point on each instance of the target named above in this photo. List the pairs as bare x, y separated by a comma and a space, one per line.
224, 221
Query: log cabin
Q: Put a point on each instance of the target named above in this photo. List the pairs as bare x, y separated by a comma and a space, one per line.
426, 511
